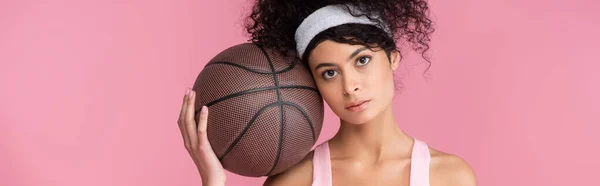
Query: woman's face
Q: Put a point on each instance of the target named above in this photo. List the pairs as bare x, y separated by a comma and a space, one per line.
356, 82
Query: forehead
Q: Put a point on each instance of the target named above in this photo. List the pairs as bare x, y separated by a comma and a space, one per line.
332, 52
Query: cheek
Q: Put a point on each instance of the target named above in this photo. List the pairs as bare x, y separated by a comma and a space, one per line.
327, 92
382, 81
331, 94
380, 73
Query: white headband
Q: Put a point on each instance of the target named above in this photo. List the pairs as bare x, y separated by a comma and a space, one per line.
325, 18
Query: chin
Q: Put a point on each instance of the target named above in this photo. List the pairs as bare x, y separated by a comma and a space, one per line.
358, 118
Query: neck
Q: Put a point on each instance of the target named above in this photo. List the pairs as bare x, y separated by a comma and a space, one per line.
377, 138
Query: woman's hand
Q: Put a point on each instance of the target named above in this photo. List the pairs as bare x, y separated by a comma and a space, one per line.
196, 142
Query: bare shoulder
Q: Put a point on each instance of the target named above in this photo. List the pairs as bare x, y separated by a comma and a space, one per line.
450, 170
297, 175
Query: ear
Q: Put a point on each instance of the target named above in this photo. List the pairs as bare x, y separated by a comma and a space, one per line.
395, 58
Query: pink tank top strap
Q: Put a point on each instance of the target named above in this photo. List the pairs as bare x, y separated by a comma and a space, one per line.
322, 166
419, 164
419, 170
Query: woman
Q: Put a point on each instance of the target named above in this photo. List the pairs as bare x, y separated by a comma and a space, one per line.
350, 49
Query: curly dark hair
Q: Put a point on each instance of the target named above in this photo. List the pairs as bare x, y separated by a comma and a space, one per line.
273, 23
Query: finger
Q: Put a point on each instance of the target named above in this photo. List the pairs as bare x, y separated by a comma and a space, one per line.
183, 107
181, 122
202, 125
190, 124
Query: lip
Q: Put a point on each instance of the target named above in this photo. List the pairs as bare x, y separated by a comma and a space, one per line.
359, 105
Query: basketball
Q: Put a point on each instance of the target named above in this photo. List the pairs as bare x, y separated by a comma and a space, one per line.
265, 110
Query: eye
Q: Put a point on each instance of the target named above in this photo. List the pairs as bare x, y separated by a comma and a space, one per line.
364, 60
328, 74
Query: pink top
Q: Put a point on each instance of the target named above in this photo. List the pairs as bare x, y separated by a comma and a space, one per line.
419, 162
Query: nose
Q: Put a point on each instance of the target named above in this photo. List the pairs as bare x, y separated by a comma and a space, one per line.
351, 84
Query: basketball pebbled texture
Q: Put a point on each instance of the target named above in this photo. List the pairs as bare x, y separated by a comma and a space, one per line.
265, 110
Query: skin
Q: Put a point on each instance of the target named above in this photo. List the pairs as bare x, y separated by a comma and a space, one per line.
369, 148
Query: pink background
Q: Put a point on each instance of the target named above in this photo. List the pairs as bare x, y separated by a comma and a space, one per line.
91, 90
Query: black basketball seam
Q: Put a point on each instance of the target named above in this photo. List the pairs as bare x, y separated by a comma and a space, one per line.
287, 68
305, 116
279, 103
253, 119
239, 137
254, 90
252, 70
278, 92
237, 65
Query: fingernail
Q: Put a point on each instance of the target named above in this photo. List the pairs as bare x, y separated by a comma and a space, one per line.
187, 92
203, 110
191, 94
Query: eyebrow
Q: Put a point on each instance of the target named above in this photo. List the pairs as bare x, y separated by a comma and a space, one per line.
324, 65
356, 52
